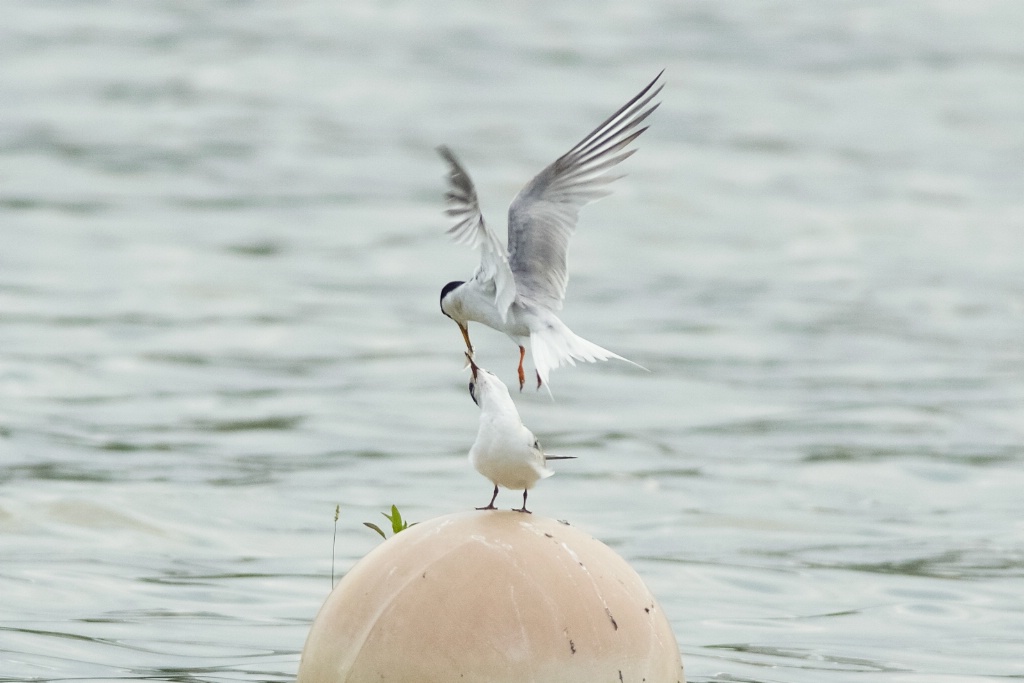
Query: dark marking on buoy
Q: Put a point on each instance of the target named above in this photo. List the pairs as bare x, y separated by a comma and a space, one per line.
572, 646
620, 676
615, 625
548, 535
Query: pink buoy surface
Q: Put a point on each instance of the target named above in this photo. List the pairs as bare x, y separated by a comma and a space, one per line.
501, 597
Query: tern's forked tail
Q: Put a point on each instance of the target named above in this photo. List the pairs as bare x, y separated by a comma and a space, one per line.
556, 345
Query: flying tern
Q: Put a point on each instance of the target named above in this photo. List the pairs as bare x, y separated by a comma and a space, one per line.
518, 290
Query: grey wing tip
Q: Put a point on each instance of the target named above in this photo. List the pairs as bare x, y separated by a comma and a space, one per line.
446, 153
650, 92
650, 85
457, 176
449, 156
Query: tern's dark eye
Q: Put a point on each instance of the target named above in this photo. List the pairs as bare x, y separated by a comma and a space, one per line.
472, 392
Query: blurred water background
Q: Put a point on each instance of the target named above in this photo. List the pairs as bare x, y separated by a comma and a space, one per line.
221, 248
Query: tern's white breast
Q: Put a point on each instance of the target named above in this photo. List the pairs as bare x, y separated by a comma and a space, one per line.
503, 453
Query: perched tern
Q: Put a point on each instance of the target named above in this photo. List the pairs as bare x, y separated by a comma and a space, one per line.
505, 451
519, 290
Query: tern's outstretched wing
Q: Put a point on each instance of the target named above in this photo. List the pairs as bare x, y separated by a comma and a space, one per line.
542, 217
470, 229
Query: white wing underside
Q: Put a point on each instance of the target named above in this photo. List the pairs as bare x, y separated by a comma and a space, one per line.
543, 216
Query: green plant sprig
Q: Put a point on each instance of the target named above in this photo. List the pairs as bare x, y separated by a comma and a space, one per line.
397, 523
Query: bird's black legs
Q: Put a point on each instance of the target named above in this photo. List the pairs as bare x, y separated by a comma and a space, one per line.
490, 506
522, 375
540, 382
523, 509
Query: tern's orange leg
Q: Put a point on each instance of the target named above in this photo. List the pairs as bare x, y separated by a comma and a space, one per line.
522, 375
490, 506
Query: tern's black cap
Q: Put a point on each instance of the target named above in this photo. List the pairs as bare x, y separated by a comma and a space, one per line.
449, 287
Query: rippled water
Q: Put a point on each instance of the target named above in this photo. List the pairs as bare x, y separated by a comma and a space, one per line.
221, 252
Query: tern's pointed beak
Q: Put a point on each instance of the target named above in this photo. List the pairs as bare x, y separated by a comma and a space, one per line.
465, 335
472, 365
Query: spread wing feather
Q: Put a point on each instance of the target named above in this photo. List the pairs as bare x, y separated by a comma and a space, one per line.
543, 216
470, 229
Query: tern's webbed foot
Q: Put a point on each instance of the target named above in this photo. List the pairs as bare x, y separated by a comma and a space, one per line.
523, 509
490, 506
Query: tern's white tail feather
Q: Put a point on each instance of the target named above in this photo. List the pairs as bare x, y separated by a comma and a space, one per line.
556, 345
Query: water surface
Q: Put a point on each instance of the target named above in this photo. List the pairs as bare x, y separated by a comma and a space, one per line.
222, 246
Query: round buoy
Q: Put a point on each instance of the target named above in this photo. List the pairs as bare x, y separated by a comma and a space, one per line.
495, 597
